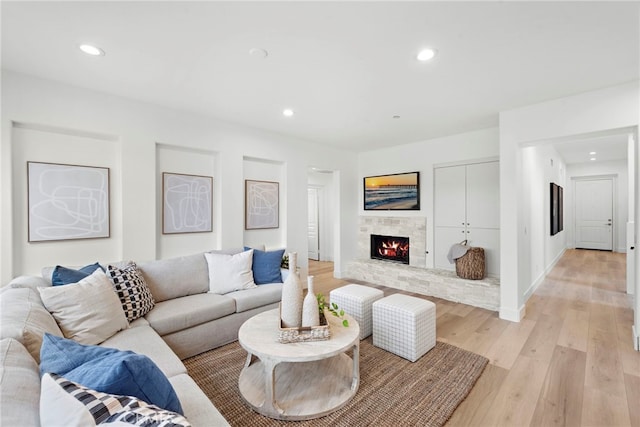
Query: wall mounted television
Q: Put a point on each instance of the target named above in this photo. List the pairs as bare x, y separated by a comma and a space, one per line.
395, 192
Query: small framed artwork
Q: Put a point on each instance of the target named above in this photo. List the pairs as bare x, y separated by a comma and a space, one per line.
187, 203
262, 202
67, 202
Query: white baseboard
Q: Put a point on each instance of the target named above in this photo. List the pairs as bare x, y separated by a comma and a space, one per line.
542, 276
512, 315
636, 338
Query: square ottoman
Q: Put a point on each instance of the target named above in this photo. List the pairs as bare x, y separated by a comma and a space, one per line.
404, 325
356, 301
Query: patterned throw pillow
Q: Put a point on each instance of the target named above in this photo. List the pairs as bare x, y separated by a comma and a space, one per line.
132, 290
64, 402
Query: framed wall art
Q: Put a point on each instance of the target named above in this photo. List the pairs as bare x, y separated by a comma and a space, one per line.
262, 202
67, 202
556, 205
397, 192
187, 203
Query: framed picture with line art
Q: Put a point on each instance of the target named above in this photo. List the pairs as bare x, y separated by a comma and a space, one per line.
262, 204
67, 202
187, 203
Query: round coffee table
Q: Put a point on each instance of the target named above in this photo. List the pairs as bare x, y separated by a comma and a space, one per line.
298, 381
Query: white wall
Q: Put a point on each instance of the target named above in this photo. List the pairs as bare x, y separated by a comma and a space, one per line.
595, 111
422, 156
541, 166
618, 169
272, 171
129, 134
183, 160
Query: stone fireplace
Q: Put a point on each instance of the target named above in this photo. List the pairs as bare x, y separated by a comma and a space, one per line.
412, 274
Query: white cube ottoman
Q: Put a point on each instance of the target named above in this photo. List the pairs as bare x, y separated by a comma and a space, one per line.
356, 301
404, 325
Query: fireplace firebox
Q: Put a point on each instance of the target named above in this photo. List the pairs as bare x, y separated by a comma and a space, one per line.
390, 248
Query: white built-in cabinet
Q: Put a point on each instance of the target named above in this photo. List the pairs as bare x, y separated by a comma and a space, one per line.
467, 207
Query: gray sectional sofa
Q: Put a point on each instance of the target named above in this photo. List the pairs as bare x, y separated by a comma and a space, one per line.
186, 320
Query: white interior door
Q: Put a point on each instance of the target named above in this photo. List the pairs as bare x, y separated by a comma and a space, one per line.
313, 238
594, 214
483, 195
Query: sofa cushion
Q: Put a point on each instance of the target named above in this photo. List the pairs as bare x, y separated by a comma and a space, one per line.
88, 311
176, 277
108, 370
65, 275
23, 318
144, 340
132, 290
228, 273
197, 407
181, 313
67, 403
257, 297
31, 282
266, 266
19, 385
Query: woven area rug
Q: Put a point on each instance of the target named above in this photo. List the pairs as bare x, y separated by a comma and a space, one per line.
393, 391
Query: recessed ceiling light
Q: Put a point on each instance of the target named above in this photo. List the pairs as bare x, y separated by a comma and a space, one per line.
592, 153
91, 50
426, 54
288, 112
593, 158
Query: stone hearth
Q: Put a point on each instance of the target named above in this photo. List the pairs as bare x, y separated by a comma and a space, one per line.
416, 277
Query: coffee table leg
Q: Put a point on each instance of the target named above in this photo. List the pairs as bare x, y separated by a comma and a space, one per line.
356, 367
270, 387
249, 360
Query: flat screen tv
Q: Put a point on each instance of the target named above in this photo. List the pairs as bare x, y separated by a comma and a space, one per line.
396, 192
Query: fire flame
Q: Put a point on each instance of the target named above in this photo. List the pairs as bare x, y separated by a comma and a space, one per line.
393, 248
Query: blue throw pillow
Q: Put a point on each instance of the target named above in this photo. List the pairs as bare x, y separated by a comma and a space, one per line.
64, 276
266, 266
108, 370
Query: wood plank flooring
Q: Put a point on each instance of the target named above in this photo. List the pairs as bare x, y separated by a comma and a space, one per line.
569, 362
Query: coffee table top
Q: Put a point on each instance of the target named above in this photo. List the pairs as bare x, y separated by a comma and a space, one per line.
259, 336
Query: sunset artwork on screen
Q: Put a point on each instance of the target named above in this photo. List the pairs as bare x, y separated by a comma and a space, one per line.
392, 192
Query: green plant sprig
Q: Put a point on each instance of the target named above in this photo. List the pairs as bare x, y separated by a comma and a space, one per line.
331, 308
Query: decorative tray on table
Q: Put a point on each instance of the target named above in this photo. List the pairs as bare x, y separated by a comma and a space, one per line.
306, 333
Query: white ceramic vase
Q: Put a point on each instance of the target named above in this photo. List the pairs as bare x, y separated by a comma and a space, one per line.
310, 314
291, 305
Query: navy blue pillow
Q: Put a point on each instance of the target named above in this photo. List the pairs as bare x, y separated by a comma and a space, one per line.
64, 276
108, 370
266, 266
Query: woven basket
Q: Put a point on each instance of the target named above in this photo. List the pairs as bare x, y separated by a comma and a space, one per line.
471, 265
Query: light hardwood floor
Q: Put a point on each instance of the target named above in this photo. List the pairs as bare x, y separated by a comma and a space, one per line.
569, 362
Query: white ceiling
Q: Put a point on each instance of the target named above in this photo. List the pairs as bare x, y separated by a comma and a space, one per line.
607, 148
346, 68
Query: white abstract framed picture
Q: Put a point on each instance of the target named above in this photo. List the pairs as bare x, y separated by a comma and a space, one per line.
262, 201
67, 202
187, 203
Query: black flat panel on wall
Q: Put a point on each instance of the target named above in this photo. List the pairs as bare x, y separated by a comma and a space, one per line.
556, 211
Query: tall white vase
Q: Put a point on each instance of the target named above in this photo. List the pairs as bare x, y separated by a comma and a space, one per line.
291, 305
310, 314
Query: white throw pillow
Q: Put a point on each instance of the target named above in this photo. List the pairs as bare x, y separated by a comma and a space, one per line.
89, 311
228, 273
